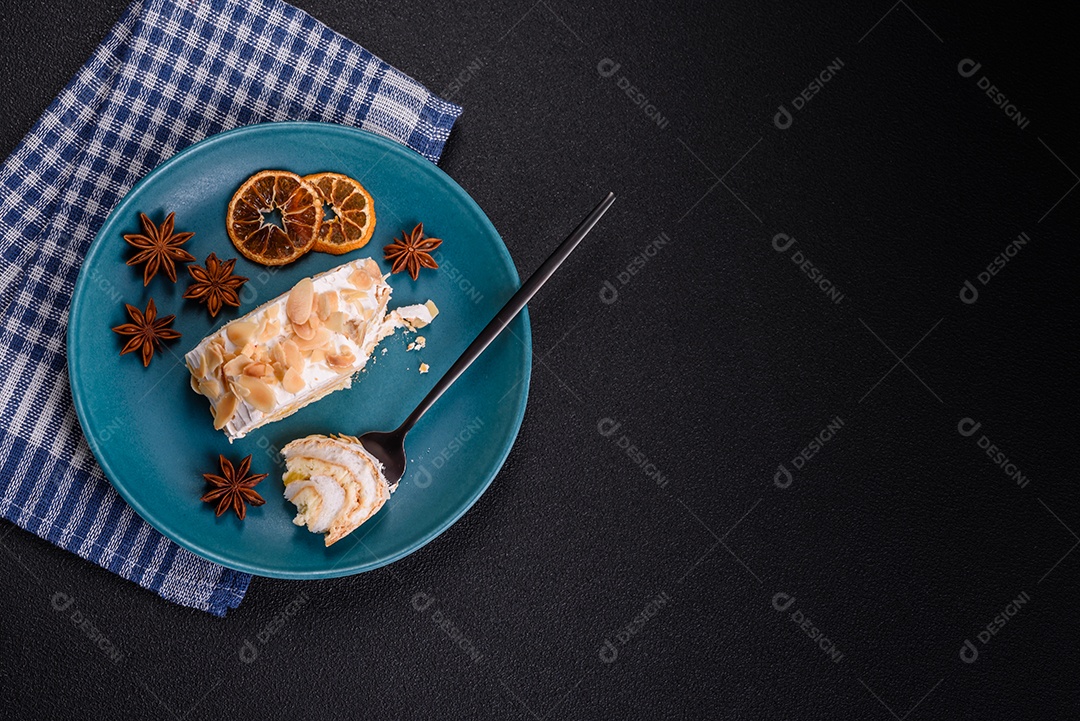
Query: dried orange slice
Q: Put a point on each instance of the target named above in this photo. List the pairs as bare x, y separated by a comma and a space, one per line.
254, 231
353, 221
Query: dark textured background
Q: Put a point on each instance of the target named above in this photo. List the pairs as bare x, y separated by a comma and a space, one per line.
721, 360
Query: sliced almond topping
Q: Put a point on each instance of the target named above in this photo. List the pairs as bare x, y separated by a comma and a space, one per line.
293, 357
303, 331
272, 312
210, 388
214, 358
341, 361
319, 338
293, 382
298, 306
199, 369
257, 370
272, 329
363, 282
336, 321
355, 297
195, 385
260, 355
328, 303
372, 269
277, 353
224, 411
241, 332
359, 330
236, 366
313, 321
317, 356
241, 392
259, 395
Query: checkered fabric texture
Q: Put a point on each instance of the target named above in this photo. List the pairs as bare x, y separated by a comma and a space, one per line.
168, 75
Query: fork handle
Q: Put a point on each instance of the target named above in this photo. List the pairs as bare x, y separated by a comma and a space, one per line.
508, 312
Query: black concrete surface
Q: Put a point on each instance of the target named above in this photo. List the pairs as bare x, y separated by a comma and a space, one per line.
809, 525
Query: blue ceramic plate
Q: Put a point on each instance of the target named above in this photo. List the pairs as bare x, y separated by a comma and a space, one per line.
153, 436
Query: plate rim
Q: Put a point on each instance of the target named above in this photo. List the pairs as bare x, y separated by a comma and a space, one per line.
77, 395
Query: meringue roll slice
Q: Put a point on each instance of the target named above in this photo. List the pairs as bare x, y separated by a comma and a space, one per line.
298, 347
334, 483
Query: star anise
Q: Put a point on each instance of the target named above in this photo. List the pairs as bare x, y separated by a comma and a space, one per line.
234, 488
147, 331
412, 252
215, 284
159, 248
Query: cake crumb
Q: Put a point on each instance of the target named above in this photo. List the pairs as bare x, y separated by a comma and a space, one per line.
417, 344
424, 367
384, 350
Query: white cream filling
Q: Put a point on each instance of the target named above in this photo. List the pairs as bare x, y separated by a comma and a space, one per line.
413, 317
318, 502
320, 499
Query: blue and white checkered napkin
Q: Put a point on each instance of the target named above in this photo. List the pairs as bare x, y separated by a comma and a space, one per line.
169, 74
